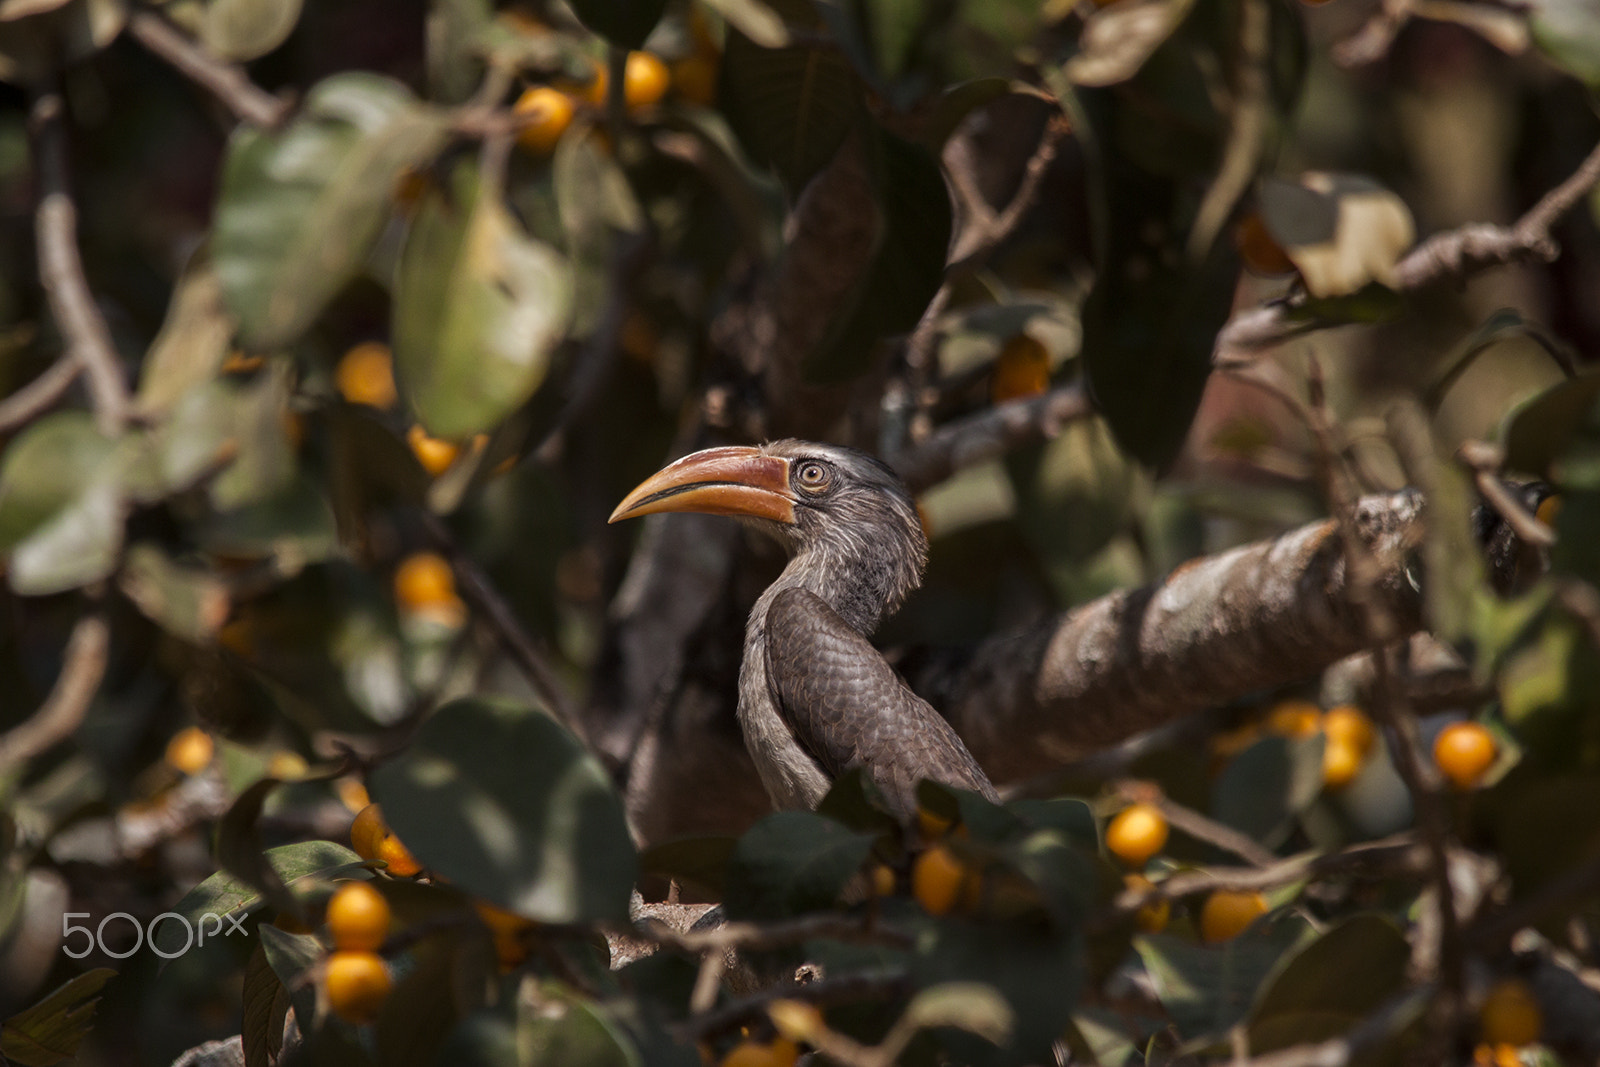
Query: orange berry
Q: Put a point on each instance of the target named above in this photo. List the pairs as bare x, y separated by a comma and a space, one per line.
1258, 248
695, 80
358, 917
289, 766
402, 864
190, 750
882, 881
507, 928
368, 831
1349, 724
781, 1052
1341, 762
594, 90
1151, 918
1227, 914
409, 188
932, 825
1464, 751
424, 580
365, 375
434, 455
1549, 510
937, 880
1022, 369
645, 80
352, 794
1138, 832
548, 113
1510, 1014
357, 983
1294, 718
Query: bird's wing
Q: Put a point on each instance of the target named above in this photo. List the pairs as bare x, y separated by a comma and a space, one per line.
849, 708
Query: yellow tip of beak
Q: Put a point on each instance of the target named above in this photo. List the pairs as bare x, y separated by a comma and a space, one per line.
739, 481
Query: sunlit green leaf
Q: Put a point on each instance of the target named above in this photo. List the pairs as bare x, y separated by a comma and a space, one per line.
299, 208
49, 1032
248, 29
479, 309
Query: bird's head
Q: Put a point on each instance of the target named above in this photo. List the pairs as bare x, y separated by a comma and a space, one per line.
848, 519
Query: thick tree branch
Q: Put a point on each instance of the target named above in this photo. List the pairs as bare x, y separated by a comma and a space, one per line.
61, 270
226, 81
1455, 254
1254, 617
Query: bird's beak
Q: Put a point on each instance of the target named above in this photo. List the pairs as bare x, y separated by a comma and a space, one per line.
717, 481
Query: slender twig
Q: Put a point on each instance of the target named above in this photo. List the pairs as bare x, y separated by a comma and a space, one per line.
39, 395
764, 936
223, 80
1196, 825
1454, 254
480, 593
988, 434
1248, 122
1484, 461
83, 666
61, 270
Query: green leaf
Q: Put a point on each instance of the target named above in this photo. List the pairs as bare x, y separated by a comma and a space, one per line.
300, 208
790, 863
557, 1028
596, 204
1568, 33
791, 107
479, 307
192, 343
187, 601
266, 1005
225, 894
1207, 988
501, 800
49, 1032
970, 1006
248, 29
1264, 787
1537, 434
61, 507
625, 23
1330, 983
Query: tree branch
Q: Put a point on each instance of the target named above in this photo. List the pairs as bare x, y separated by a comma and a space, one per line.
1455, 254
61, 270
989, 434
83, 666
223, 80
39, 395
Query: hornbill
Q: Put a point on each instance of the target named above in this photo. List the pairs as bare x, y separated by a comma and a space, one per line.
815, 698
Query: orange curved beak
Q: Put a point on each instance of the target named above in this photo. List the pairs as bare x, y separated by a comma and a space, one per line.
736, 481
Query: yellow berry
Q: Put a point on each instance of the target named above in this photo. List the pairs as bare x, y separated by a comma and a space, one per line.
937, 879
1022, 369
357, 983
424, 580
781, 1052
1294, 718
1228, 913
358, 917
352, 794
1510, 1014
1138, 832
434, 455
1350, 724
547, 113
932, 825
367, 832
402, 864
289, 766
190, 750
365, 375
644, 80
1151, 918
1464, 751
1341, 762
882, 881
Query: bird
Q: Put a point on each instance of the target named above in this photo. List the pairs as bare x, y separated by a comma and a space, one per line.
816, 699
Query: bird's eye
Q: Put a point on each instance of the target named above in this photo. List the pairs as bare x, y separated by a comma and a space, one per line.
813, 475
